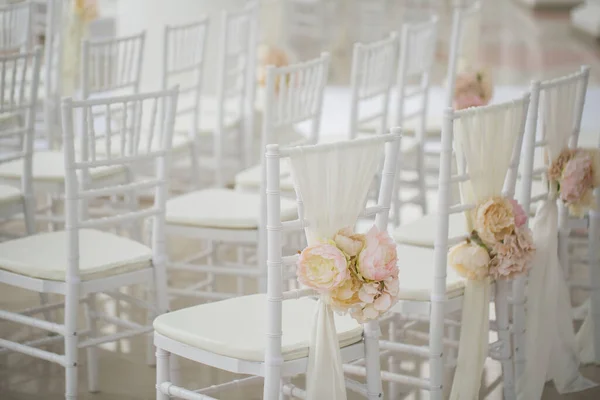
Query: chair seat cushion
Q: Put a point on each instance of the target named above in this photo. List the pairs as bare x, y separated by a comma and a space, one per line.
49, 166
101, 254
416, 275
422, 231
221, 208
250, 178
9, 194
207, 120
241, 334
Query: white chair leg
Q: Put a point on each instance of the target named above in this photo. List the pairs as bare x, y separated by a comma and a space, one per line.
162, 372
150, 315
29, 207
240, 279
374, 385
392, 365
422, 182
92, 352
272, 385
71, 340
504, 335
594, 269
175, 370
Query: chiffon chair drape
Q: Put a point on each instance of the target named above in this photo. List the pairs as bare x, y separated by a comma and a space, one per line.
476, 134
331, 202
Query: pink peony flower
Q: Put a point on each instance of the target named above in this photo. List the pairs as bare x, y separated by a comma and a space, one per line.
520, 215
377, 260
577, 178
323, 267
375, 299
513, 256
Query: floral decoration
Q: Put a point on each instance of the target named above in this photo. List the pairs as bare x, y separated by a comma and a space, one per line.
473, 88
357, 273
267, 56
576, 173
87, 9
500, 246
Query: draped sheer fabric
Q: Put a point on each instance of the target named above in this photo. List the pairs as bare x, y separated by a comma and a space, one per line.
334, 184
551, 348
485, 141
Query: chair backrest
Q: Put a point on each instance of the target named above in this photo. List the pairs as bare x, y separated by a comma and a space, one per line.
124, 150
488, 142
324, 162
183, 63
417, 55
369, 20
16, 29
464, 43
18, 104
373, 67
236, 77
554, 123
293, 95
312, 20
113, 64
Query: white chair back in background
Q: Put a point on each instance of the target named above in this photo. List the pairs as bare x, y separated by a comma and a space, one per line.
183, 64
373, 67
18, 104
418, 45
369, 20
112, 66
236, 83
74, 263
16, 30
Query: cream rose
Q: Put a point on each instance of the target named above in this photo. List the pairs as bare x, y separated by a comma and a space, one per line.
470, 260
494, 219
349, 242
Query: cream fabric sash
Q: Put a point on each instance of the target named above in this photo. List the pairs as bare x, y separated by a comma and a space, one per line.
334, 184
75, 29
551, 350
486, 142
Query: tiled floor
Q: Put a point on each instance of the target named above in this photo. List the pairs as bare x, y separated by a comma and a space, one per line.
519, 44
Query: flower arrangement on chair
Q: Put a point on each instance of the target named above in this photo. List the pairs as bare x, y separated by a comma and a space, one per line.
357, 273
501, 244
267, 56
576, 173
473, 88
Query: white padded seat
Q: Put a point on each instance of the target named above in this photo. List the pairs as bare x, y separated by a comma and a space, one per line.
207, 119
45, 255
9, 194
421, 232
250, 178
201, 328
49, 166
221, 208
589, 137
416, 275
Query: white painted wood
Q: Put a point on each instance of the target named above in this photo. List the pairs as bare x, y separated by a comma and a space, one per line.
16, 26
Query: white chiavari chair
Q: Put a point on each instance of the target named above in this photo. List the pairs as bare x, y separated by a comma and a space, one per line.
16, 30
554, 122
75, 262
183, 63
18, 104
429, 290
224, 216
371, 81
269, 338
417, 55
461, 48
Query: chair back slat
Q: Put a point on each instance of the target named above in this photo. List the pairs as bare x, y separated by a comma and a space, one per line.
373, 67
